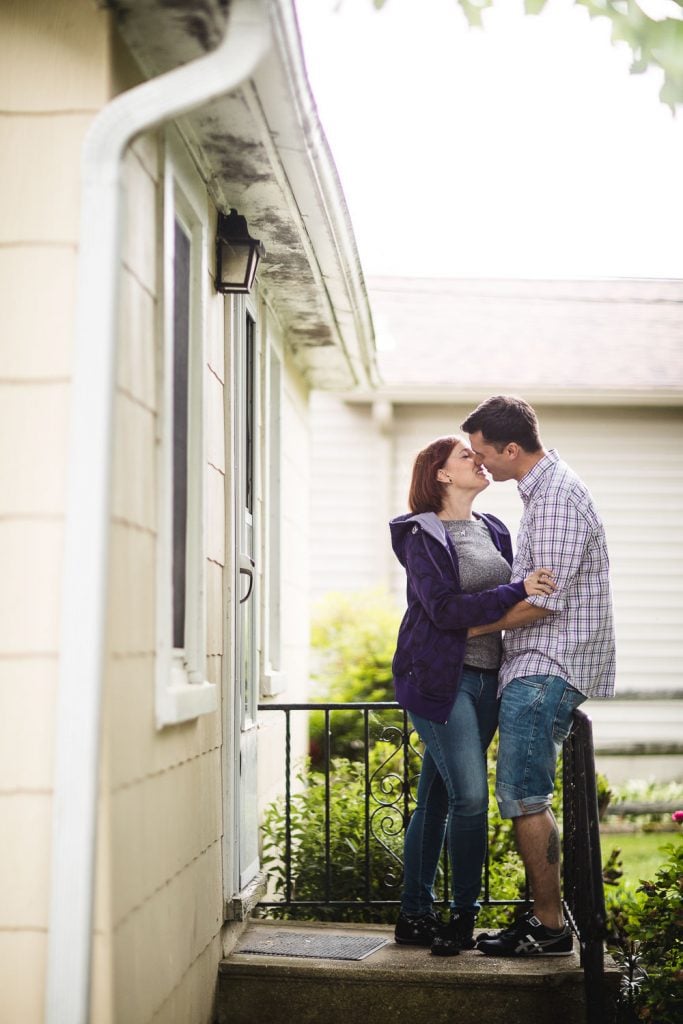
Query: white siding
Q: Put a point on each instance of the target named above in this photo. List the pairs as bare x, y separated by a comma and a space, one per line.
348, 524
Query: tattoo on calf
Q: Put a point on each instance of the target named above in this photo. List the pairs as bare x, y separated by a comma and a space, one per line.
553, 851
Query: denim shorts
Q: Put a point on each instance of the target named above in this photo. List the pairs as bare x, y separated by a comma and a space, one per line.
535, 718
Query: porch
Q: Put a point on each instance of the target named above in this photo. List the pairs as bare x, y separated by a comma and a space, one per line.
397, 984
264, 978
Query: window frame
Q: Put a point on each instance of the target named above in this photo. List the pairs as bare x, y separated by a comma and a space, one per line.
273, 678
182, 690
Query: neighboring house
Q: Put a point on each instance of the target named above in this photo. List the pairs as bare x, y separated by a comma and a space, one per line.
602, 363
209, 476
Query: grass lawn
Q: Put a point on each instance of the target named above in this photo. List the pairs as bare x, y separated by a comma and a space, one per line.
641, 852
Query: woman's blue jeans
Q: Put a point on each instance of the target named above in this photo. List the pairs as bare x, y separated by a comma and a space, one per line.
452, 792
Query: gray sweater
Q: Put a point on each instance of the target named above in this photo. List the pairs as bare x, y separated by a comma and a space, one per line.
481, 567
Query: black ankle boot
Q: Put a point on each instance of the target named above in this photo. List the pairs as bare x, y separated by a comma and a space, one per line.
456, 935
417, 930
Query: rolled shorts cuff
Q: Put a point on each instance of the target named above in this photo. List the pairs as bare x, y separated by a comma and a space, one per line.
514, 807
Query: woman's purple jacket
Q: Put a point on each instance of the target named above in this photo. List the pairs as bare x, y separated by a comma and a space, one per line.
431, 639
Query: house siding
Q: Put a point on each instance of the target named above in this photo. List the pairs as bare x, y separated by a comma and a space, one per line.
43, 117
163, 787
349, 508
163, 807
164, 827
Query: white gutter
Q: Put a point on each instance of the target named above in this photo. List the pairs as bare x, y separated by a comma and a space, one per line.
331, 193
85, 577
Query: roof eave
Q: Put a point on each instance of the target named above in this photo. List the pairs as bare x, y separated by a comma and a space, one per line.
264, 151
410, 395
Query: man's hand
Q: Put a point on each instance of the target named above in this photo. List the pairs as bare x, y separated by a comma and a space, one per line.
522, 614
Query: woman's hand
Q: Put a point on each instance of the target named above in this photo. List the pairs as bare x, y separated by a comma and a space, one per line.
539, 583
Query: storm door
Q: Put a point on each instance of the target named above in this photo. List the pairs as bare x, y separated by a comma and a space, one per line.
246, 656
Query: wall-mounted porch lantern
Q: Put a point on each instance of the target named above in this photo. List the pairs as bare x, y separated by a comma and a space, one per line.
237, 254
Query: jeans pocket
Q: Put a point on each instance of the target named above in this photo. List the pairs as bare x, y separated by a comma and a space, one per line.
523, 699
571, 700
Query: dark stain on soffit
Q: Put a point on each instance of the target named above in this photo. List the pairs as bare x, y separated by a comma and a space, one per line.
201, 20
315, 336
282, 232
235, 159
198, 20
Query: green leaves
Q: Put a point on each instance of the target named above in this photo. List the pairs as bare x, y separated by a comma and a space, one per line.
472, 10
655, 42
647, 926
347, 848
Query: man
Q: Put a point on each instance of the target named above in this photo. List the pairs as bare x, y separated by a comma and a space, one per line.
557, 651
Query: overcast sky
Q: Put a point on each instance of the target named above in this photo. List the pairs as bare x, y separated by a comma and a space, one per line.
523, 150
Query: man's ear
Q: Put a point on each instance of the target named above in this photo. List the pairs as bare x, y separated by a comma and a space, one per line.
512, 450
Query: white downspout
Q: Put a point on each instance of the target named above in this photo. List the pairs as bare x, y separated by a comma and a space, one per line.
85, 576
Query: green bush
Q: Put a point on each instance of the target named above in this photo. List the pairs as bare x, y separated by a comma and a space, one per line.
648, 791
646, 938
347, 846
353, 639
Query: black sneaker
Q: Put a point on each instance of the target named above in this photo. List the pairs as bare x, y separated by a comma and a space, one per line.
529, 938
524, 918
418, 930
456, 935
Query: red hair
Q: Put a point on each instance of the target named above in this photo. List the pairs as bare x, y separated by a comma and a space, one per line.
426, 493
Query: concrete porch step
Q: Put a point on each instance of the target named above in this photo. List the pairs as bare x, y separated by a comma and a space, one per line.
398, 984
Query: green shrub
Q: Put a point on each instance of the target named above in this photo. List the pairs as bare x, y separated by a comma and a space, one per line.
347, 846
646, 937
648, 791
353, 639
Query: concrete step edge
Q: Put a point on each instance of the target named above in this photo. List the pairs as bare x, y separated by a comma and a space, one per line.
453, 972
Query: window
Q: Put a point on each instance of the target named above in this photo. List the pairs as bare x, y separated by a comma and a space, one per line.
182, 690
181, 345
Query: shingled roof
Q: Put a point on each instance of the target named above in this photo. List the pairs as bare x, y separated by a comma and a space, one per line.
607, 336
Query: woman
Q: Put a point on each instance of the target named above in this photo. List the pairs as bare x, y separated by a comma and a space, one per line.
458, 568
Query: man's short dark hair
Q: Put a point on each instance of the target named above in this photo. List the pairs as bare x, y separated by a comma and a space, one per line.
502, 419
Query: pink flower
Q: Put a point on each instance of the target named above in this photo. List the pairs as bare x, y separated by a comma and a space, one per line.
677, 816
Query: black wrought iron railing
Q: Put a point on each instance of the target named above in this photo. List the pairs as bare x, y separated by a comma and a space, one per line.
387, 755
584, 895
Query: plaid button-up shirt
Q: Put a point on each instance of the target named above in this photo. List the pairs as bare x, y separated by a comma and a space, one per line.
561, 529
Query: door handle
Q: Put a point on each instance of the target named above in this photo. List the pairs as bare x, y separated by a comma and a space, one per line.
247, 569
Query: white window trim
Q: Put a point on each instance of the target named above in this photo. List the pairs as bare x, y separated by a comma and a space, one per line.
182, 690
273, 680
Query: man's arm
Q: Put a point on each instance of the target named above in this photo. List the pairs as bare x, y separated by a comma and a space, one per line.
522, 614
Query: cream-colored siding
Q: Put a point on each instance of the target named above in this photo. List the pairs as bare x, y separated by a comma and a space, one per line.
174, 791
162, 795
629, 458
165, 807
45, 109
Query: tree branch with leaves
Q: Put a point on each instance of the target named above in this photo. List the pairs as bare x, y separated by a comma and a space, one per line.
652, 28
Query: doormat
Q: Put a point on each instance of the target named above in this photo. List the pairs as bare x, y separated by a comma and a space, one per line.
318, 947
